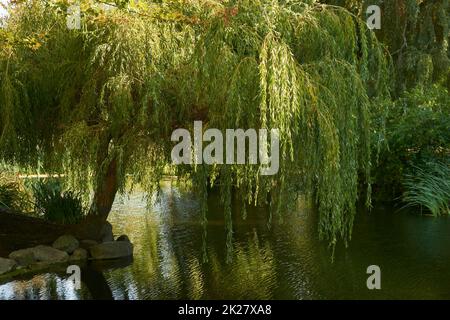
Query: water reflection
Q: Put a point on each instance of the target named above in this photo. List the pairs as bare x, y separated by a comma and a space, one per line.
42, 287
284, 262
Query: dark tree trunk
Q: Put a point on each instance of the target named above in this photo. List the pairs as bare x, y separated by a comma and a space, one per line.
106, 183
105, 192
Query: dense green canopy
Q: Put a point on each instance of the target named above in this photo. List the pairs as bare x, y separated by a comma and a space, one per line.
103, 101
417, 34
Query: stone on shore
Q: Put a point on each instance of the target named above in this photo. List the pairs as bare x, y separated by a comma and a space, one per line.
66, 243
6, 265
111, 250
86, 244
23, 257
123, 238
79, 254
49, 255
106, 233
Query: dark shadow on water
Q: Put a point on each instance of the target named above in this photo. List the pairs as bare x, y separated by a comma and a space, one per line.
92, 276
106, 265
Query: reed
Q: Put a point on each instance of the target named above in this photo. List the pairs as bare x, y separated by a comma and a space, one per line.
429, 187
56, 205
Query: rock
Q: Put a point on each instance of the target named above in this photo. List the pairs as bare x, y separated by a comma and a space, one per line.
39, 266
49, 254
6, 265
38, 255
66, 243
23, 257
106, 233
79, 254
86, 244
111, 250
123, 238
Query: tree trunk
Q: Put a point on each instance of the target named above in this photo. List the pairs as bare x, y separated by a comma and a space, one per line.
105, 189
105, 192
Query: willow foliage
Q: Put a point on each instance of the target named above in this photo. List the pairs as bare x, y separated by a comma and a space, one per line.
76, 100
421, 47
417, 34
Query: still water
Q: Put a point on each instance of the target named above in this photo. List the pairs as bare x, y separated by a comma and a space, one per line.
285, 261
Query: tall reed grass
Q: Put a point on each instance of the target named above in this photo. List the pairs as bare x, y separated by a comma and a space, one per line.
54, 204
429, 187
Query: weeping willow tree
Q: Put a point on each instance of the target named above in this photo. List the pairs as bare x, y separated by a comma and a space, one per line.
420, 43
99, 104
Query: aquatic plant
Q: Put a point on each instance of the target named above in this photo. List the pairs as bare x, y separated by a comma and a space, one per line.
429, 187
56, 205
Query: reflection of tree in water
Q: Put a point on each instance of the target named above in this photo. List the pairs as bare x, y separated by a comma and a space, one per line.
53, 285
28, 289
169, 262
96, 284
251, 274
154, 273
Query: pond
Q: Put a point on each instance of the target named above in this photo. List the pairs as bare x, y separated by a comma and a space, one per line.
285, 261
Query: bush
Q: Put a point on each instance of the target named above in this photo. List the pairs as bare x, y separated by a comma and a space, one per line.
429, 187
10, 196
56, 205
417, 132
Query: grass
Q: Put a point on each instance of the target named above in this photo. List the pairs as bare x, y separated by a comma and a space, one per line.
10, 196
56, 205
12, 193
429, 187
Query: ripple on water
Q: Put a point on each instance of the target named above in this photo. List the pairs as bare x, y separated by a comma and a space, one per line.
286, 261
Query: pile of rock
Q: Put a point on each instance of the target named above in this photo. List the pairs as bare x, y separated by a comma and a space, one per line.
67, 249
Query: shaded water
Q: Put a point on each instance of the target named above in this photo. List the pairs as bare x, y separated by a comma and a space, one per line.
285, 261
